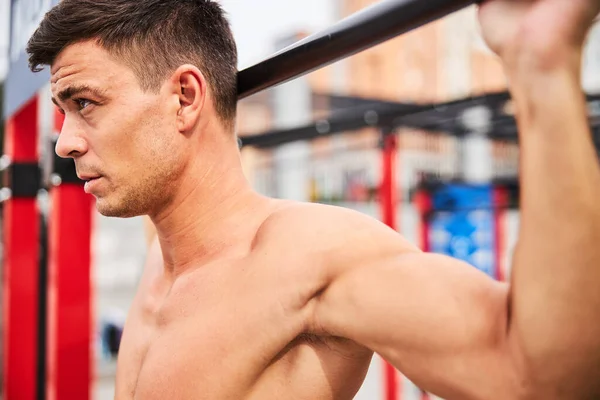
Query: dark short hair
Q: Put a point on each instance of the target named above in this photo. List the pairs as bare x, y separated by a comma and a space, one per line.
153, 37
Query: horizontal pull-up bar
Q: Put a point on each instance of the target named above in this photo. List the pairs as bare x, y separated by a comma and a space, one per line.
435, 117
360, 31
345, 121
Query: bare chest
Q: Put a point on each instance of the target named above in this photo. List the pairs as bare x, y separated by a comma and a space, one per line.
240, 340
218, 355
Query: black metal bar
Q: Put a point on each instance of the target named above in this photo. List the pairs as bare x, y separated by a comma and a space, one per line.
365, 29
24, 179
345, 121
440, 117
437, 117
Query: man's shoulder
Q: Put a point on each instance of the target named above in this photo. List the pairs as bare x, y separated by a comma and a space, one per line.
293, 221
329, 232
303, 215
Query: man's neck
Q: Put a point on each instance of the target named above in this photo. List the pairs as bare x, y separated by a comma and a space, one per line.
212, 215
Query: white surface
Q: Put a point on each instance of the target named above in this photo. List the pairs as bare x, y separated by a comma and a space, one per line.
257, 23
4, 29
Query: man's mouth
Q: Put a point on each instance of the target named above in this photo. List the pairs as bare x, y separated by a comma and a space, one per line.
89, 178
90, 181
90, 184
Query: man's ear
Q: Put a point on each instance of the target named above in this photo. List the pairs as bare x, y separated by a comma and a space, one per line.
191, 89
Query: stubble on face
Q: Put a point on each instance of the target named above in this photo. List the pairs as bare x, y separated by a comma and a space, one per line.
150, 175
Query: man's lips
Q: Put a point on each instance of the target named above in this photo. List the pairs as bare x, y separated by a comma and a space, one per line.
88, 178
90, 183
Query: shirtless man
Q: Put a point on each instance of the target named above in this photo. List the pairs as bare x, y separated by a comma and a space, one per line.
246, 297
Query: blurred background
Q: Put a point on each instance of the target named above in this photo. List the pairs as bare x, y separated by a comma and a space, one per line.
455, 175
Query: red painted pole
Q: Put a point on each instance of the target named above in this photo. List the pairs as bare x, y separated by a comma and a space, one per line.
423, 203
388, 195
70, 292
21, 265
388, 204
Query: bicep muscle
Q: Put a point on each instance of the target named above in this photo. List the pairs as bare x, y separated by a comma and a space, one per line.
438, 320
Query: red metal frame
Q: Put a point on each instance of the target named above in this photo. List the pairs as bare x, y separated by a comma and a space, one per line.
423, 204
388, 203
21, 265
70, 292
388, 194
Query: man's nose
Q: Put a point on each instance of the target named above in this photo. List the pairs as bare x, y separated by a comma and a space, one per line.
71, 141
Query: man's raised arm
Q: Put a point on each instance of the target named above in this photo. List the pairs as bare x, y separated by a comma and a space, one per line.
555, 286
446, 326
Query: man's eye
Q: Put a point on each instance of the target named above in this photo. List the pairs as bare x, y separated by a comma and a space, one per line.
83, 103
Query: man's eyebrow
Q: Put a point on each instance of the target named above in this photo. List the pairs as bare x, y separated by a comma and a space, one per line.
74, 90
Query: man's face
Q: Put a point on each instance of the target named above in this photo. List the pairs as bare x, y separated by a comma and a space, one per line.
124, 140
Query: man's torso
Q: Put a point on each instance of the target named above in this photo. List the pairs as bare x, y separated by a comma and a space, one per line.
236, 328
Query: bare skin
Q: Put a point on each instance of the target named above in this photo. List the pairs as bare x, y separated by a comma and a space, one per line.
245, 297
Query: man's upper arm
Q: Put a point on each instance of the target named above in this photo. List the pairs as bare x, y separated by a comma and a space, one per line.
438, 320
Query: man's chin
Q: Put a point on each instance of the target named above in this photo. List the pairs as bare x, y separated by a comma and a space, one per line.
115, 211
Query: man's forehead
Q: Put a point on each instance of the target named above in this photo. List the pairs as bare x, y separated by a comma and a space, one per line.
76, 75
85, 60
80, 53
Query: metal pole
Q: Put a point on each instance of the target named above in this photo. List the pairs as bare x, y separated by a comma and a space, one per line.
21, 263
70, 336
388, 204
387, 195
360, 31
